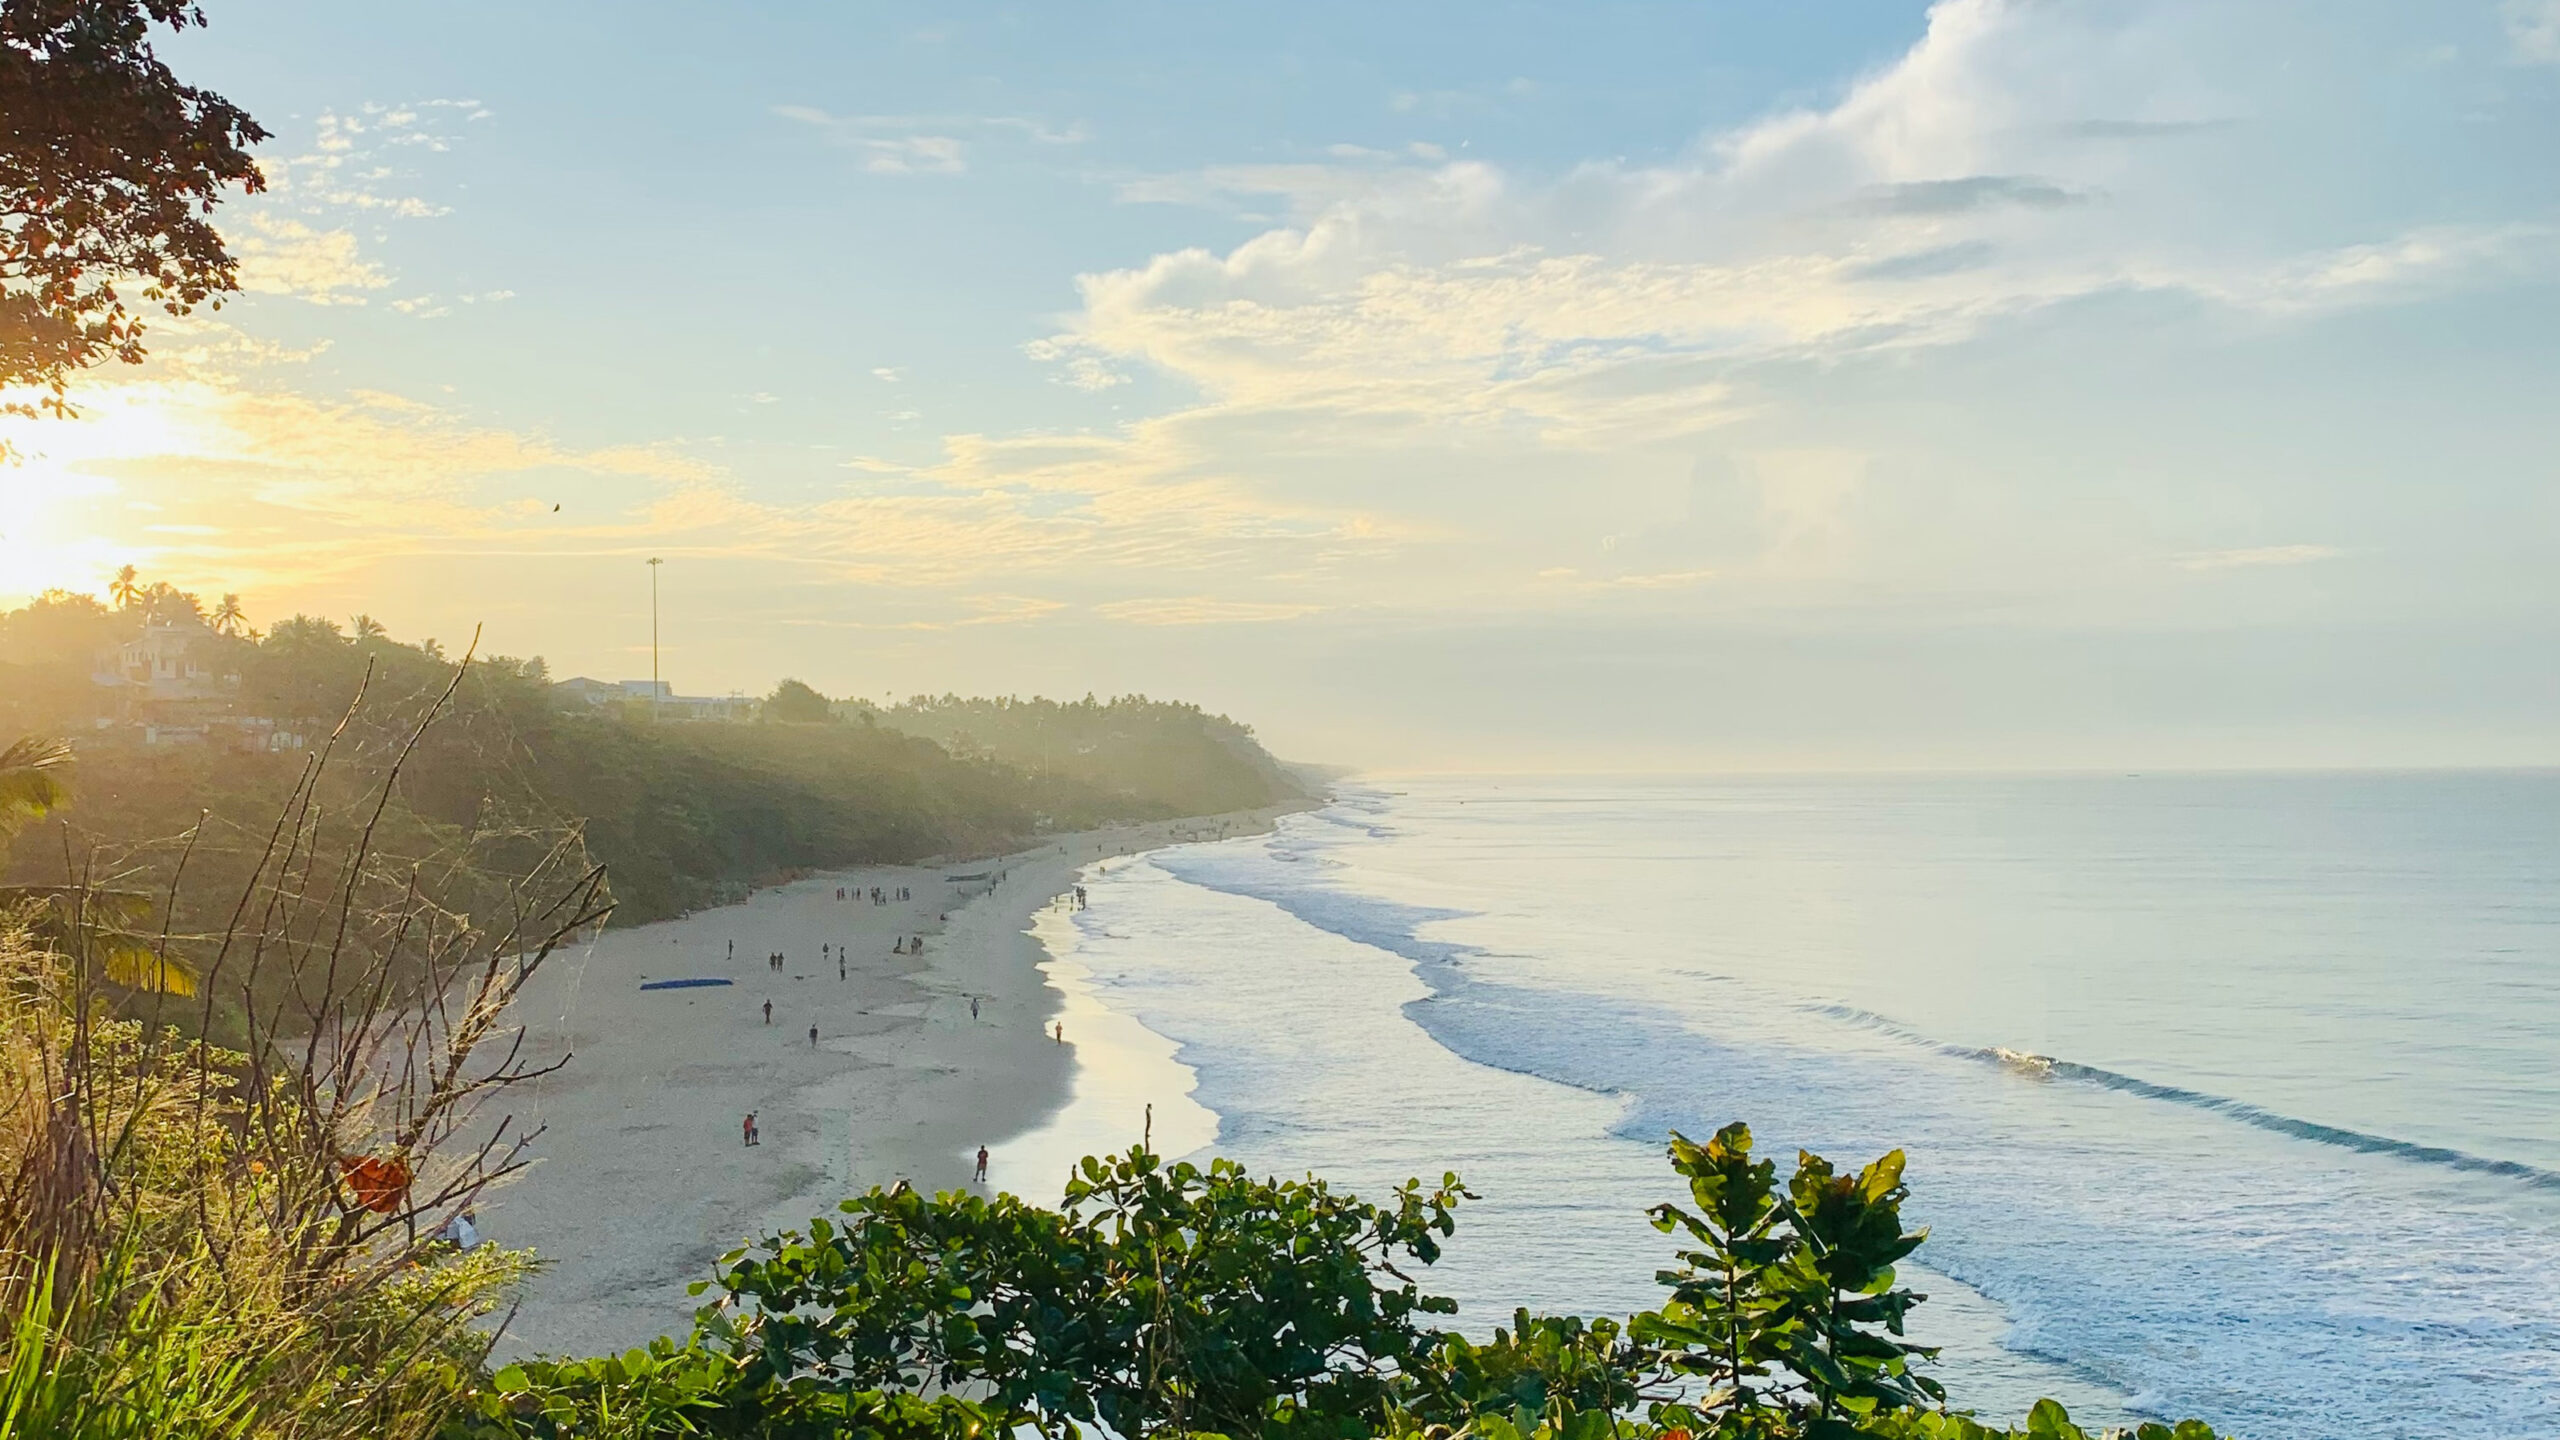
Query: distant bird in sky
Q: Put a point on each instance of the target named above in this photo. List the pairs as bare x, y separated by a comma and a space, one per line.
555, 509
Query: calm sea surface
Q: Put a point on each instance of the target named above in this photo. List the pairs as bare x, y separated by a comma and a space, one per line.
2235, 1096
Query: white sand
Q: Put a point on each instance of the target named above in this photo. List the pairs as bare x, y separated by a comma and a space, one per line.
643, 1180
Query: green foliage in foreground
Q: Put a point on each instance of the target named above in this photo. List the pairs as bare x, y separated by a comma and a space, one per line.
1172, 1300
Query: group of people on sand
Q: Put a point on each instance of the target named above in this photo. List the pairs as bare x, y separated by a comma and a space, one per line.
905, 944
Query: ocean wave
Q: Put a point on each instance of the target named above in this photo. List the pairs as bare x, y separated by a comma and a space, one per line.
2265, 1119
1367, 919
1394, 927
2131, 1243
2047, 1067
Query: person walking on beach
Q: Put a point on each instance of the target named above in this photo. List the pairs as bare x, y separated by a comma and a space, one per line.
768, 1012
1062, 1032
839, 962
973, 1007
813, 1037
747, 1128
981, 1176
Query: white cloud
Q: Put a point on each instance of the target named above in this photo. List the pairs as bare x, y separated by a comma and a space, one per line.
1508, 371
883, 151
1450, 389
296, 241
921, 144
2533, 28
911, 154
1080, 368
2257, 556
1667, 580
2019, 157
287, 257
1203, 610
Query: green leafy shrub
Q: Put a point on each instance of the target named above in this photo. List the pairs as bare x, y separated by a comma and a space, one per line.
1165, 1301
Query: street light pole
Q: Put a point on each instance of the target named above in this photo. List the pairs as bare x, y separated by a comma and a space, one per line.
654, 686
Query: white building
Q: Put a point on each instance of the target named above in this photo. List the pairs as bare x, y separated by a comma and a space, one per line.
658, 696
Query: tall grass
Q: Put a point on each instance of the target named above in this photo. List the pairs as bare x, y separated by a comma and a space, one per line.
200, 1240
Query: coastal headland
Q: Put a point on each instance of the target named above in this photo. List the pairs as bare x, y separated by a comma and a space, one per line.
643, 1177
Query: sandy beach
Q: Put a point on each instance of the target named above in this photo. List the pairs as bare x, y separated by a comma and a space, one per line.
643, 1178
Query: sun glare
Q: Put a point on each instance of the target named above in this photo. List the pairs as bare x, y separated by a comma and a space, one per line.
61, 526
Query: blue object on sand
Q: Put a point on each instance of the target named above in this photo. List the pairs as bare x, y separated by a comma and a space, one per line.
680, 984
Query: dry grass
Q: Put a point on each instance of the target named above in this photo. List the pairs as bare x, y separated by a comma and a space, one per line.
199, 1240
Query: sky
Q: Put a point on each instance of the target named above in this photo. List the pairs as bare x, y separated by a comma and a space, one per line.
1987, 384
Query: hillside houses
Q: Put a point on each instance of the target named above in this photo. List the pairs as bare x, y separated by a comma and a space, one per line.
657, 698
176, 683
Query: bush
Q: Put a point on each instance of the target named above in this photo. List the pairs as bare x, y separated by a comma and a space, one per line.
1172, 1300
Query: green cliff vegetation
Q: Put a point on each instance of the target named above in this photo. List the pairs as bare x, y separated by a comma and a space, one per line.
1145, 751
682, 814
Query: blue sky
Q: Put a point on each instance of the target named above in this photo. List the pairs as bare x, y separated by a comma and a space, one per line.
1997, 383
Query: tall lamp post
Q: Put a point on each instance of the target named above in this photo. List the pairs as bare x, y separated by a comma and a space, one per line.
654, 686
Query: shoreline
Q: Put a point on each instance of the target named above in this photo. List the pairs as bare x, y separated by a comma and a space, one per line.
642, 1179
1129, 1083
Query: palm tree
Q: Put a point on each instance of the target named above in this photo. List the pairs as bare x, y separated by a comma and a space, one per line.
127, 590
30, 783
31, 787
368, 628
170, 605
229, 618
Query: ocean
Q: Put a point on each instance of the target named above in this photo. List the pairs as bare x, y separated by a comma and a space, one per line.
2235, 1096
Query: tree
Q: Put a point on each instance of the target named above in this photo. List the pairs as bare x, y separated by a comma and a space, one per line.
794, 702
229, 618
109, 167
170, 605
125, 589
32, 787
1158, 1299
368, 628
30, 783
1720, 1322
1787, 1308
1171, 1302
1842, 1316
